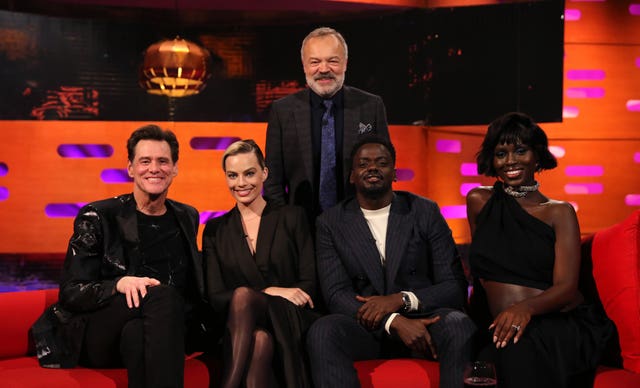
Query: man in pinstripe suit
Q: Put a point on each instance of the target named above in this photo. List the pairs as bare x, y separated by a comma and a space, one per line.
390, 276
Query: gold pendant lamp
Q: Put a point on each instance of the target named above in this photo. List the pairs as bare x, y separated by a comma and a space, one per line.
175, 68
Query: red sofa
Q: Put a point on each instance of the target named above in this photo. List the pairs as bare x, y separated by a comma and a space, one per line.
611, 254
19, 368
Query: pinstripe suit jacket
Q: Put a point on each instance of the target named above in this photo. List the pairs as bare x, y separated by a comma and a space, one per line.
420, 256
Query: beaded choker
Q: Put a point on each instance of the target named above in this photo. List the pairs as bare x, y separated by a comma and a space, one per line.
521, 191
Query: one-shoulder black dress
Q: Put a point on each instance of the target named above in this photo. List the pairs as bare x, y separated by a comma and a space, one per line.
511, 246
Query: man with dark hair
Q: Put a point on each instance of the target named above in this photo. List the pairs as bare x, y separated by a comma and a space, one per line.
132, 273
311, 132
391, 277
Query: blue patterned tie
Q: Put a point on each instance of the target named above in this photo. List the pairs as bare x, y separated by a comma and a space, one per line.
327, 193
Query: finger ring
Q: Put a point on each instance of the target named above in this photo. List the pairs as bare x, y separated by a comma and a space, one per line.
517, 327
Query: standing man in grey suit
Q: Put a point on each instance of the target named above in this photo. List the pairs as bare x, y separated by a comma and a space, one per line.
390, 276
311, 132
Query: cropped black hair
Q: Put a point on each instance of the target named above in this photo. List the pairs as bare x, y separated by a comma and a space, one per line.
514, 128
373, 139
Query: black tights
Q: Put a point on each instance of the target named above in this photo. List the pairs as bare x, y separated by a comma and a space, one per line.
248, 349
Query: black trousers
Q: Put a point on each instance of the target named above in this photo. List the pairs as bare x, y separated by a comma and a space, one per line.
147, 340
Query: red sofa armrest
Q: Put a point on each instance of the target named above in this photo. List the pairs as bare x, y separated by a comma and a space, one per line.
19, 310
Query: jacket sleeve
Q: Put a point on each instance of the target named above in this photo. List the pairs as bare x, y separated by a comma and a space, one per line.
274, 187
382, 128
83, 286
448, 288
217, 292
306, 255
337, 288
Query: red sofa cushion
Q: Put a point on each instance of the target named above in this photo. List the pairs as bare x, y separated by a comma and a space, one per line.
19, 311
615, 378
406, 373
616, 269
25, 372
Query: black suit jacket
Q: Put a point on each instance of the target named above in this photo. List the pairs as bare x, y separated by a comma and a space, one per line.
284, 254
289, 145
421, 256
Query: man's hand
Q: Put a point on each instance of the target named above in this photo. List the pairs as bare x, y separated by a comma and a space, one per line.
135, 288
294, 295
376, 307
414, 333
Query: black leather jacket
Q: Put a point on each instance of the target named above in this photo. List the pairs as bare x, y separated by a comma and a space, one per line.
105, 239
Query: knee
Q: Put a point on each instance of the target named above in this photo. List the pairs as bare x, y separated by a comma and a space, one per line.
458, 329
324, 333
163, 292
164, 298
241, 293
241, 298
515, 355
263, 343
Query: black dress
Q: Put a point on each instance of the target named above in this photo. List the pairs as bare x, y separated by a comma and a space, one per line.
511, 246
284, 257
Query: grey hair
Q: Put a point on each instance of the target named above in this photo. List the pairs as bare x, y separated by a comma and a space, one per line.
325, 31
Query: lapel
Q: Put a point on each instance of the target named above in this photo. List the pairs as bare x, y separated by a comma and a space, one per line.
241, 252
186, 227
367, 252
301, 111
268, 225
350, 129
128, 223
398, 235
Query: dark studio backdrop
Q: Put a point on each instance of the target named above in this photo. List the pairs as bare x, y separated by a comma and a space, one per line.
444, 66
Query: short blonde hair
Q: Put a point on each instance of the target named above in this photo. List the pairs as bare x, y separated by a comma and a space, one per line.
243, 147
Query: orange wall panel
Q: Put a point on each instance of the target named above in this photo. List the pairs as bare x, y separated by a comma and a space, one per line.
38, 176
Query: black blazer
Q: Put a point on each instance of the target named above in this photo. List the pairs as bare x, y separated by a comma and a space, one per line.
284, 254
421, 256
289, 145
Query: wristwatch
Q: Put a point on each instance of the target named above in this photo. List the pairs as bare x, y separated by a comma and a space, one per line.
407, 302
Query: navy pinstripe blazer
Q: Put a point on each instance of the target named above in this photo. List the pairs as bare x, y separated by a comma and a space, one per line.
420, 256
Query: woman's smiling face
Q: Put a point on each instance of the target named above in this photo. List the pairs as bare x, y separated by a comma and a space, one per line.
515, 164
245, 177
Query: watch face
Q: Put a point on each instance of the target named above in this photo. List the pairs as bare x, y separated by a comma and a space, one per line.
407, 301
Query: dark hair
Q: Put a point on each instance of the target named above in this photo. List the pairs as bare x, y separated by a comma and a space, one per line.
373, 139
152, 132
243, 147
514, 128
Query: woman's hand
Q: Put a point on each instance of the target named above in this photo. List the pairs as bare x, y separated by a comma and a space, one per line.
509, 324
294, 295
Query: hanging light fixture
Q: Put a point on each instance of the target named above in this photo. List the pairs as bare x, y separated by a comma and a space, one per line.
175, 68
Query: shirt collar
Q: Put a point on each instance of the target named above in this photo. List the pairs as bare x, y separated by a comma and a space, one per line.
338, 98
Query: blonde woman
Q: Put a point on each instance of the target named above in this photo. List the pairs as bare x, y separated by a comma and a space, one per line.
260, 273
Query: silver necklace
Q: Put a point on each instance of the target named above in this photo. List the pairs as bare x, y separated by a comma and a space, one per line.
521, 191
